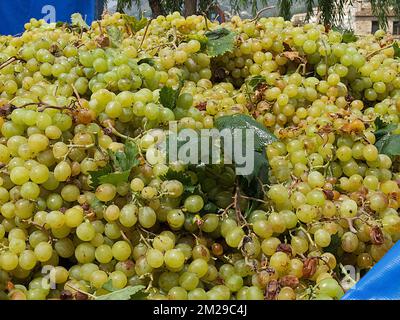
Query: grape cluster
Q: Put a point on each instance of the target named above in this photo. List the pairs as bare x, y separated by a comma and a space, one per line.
71, 99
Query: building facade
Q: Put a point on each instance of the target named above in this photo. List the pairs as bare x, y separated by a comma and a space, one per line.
359, 18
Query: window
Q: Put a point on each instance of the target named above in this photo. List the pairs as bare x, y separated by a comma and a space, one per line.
375, 26
396, 27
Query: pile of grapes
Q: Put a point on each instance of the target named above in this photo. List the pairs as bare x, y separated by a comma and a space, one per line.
90, 208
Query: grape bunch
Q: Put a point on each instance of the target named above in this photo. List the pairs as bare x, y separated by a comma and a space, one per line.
90, 201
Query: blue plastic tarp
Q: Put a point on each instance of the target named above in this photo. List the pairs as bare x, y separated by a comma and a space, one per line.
382, 282
15, 13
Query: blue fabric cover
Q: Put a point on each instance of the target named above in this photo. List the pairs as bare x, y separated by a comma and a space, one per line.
15, 13
382, 282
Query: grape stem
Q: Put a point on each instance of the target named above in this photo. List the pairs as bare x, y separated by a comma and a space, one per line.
261, 11
80, 145
206, 22
255, 199
9, 61
301, 66
41, 228
70, 146
144, 240
80, 291
145, 33
226, 209
42, 106
326, 58
126, 238
148, 232
118, 134
239, 217
77, 96
379, 50
307, 234
350, 222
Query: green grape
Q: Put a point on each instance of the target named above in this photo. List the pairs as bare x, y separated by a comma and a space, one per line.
43, 251
174, 258
121, 250
147, 217
193, 203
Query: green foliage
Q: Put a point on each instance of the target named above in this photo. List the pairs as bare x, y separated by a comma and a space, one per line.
128, 293
149, 61
396, 49
389, 145
387, 142
134, 24
169, 96
184, 177
115, 35
334, 245
347, 35
284, 8
255, 5
119, 167
263, 136
220, 41
77, 20
252, 184
255, 81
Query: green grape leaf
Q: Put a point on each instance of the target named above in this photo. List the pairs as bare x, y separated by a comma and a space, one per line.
260, 170
128, 293
255, 81
181, 176
149, 61
77, 20
263, 136
140, 24
96, 175
347, 34
389, 145
385, 130
379, 123
109, 287
254, 183
115, 35
220, 41
396, 49
169, 96
119, 167
134, 23
334, 245
127, 159
115, 178
60, 24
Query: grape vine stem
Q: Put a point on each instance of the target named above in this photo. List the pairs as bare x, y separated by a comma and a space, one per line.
145, 33
81, 291
77, 96
379, 50
261, 11
308, 235
9, 61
